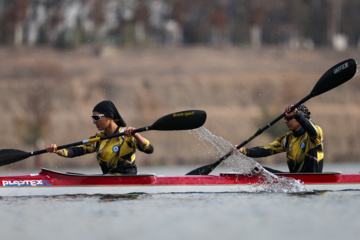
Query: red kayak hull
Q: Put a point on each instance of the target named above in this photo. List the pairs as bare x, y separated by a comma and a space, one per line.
49, 182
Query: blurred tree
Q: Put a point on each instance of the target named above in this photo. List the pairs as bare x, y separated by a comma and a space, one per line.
67, 23
219, 27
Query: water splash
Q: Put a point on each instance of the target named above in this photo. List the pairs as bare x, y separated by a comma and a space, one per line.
269, 182
241, 164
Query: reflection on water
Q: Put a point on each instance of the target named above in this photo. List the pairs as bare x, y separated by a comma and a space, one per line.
305, 194
100, 197
112, 198
79, 197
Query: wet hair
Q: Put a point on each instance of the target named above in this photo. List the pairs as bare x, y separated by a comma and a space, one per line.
304, 110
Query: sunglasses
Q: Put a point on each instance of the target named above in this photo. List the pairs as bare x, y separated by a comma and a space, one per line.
288, 118
97, 117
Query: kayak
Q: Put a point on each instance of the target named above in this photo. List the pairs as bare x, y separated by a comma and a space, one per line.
50, 183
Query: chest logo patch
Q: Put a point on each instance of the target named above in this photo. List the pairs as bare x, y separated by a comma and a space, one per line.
116, 149
302, 145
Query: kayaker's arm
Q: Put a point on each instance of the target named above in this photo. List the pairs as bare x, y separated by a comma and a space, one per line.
67, 152
306, 124
257, 152
140, 142
72, 152
267, 150
145, 147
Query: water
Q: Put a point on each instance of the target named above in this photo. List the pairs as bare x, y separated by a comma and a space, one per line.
270, 213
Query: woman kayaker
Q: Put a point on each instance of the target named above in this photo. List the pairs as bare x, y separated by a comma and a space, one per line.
303, 144
114, 155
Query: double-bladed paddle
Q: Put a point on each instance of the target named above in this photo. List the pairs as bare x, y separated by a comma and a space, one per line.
335, 76
184, 120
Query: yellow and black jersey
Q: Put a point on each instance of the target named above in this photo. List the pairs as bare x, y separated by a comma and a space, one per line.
304, 148
114, 155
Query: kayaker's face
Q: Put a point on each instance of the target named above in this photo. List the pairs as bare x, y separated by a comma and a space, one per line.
292, 124
102, 123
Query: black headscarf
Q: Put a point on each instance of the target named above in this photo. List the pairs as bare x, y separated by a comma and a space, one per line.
109, 110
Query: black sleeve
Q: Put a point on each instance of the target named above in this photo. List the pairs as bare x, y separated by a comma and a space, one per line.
267, 150
257, 152
150, 149
75, 152
306, 124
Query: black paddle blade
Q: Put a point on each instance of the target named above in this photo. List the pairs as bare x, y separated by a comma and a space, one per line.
8, 156
185, 120
335, 76
204, 170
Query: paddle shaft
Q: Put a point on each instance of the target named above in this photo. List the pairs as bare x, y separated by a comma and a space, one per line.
90, 140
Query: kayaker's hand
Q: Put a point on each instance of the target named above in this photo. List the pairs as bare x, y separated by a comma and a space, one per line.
239, 150
53, 149
129, 131
287, 111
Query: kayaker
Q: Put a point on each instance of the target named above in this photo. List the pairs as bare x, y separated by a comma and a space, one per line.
303, 144
114, 155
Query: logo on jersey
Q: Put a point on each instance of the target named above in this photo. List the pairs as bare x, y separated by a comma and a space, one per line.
302, 145
116, 149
